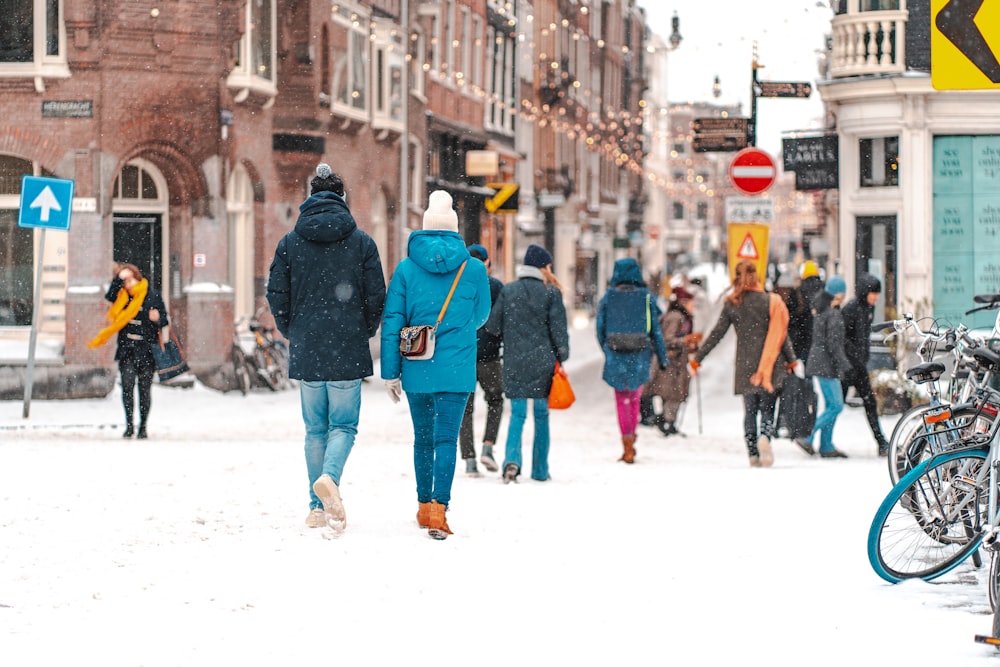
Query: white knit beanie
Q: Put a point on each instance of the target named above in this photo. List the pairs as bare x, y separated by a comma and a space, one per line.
439, 213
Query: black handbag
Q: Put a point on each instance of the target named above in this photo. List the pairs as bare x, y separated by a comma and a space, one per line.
170, 359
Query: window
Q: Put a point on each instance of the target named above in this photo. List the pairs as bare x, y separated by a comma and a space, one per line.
501, 80
17, 247
388, 84
255, 51
879, 162
349, 61
678, 210
702, 210
33, 40
239, 210
463, 77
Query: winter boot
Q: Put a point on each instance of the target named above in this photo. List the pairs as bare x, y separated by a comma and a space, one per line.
437, 526
424, 515
647, 414
487, 458
628, 442
129, 431
766, 453
667, 428
510, 473
470, 468
333, 507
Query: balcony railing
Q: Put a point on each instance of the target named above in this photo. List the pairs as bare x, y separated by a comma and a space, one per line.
869, 43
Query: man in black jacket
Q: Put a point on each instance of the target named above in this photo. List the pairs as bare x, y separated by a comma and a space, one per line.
858, 314
326, 290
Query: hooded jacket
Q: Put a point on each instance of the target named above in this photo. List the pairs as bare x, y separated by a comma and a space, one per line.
326, 290
418, 289
858, 317
629, 370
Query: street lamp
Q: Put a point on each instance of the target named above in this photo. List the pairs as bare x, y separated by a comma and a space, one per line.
675, 31
716, 87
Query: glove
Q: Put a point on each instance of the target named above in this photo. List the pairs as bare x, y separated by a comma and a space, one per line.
693, 339
695, 365
395, 389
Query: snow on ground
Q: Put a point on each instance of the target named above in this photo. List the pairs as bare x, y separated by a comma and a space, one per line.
189, 549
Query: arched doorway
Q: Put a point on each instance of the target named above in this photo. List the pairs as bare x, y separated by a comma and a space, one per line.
140, 222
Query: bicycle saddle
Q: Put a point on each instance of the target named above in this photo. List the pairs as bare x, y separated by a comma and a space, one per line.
926, 372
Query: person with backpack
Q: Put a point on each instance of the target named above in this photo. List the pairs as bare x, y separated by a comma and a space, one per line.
858, 315
627, 325
761, 324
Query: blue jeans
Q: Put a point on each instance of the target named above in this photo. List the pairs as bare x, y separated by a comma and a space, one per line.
540, 451
436, 420
330, 411
833, 403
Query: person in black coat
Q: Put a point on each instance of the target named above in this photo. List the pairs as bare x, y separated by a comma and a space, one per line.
138, 316
858, 314
326, 290
489, 374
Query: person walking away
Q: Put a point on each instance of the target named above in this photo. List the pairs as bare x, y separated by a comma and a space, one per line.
858, 314
489, 374
438, 275
761, 324
828, 363
326, 290
672, 383
810, 288
628, 332
531, 319
139, 318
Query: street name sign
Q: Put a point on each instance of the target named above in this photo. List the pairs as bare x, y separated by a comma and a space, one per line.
719, 134
784, 88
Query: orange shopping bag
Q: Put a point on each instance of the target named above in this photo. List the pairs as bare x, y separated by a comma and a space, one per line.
561, 394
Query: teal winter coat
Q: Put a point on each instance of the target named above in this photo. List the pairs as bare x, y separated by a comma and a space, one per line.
416, 293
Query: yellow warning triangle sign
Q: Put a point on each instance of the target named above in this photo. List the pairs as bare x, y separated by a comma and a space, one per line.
748, 249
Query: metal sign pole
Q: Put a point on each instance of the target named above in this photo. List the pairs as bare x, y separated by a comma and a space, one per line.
33, 338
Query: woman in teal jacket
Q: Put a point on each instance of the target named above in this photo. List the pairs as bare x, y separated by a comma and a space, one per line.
438, 388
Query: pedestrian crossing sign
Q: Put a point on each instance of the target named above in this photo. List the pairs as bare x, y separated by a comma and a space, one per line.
748, 241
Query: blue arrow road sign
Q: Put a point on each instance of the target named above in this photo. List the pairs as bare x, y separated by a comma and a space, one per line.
45, 202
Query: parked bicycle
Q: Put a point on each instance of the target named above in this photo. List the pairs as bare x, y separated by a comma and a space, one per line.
258, 358
945, 507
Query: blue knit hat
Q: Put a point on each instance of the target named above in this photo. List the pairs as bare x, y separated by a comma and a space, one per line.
835, 285
537, 256
478, 251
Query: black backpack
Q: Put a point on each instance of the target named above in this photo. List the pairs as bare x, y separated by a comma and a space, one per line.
627, 320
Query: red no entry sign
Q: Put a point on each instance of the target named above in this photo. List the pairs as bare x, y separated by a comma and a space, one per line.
752, 171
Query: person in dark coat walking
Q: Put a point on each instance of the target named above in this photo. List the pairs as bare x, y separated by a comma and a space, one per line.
858, 315
489, 374
763, 352
828, 364
437, 389
326, 290
138, 317
810, 288
531, 318
627, 370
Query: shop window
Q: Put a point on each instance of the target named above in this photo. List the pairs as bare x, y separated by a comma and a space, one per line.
17, 247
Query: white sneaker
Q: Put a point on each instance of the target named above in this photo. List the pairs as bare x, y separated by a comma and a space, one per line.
333, 507
766, 454
316, 518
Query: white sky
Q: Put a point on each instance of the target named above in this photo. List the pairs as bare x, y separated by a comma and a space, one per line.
189, 549
718, 40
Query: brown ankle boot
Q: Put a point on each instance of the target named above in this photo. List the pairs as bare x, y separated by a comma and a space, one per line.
424, 515
438, 526
628, 441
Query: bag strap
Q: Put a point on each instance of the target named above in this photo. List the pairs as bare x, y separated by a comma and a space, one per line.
648, 324
454, 284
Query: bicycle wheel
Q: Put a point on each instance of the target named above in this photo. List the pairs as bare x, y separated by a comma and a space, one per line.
241, 371
268, 369
929, 522
904, 430
994, 581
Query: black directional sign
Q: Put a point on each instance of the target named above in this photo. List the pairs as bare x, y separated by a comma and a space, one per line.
961, 55
719, 134
784, 89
